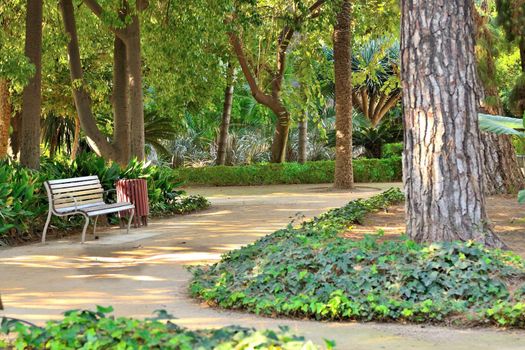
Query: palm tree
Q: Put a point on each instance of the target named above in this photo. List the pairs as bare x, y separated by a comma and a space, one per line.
376, 79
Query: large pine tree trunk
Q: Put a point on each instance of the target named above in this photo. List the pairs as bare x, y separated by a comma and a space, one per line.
31, 97
225, 124
443, 169
5, 117
136, 103
344, 177
303, 139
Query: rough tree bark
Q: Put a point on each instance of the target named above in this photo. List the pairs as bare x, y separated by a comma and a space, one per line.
5, 117
443, 169
31, 97
344, 177
225, 123
303, 139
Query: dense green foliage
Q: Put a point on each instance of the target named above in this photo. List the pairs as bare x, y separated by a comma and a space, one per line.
96, 330
23, 202
310, 271
365, 170
392, 150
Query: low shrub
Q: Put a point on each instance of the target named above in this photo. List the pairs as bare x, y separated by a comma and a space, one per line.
390, 150
311, 271
365, 170
23, 202
96, 330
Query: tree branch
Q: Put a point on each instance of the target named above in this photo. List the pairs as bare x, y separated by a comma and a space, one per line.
237, 46
97, 10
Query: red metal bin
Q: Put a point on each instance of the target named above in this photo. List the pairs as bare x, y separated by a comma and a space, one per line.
136, 192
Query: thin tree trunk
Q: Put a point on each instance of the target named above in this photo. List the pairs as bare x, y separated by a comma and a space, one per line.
97, 140
225, 123
31, 97
53, 144
443, 168
76, 139
136, 103
303, 139
280, 136
5, 117
344, 177
522, 54
122, 127
14, 140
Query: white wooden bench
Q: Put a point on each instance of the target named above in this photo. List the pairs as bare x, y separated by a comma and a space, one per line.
81, 196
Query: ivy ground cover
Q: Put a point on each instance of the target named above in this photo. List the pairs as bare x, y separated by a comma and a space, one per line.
310, 271
96, 330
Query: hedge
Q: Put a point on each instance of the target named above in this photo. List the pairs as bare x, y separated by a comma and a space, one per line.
365, 170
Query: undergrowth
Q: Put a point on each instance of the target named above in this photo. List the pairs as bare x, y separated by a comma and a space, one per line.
311, 271
96, 330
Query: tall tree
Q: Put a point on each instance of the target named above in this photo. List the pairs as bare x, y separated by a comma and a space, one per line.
128, 105
344, 177
443, 169
251, 71
32, 97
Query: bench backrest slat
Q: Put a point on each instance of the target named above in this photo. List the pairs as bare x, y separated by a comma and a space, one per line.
72, 179
80, 192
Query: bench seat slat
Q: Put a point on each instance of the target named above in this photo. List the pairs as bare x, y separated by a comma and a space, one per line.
107, 208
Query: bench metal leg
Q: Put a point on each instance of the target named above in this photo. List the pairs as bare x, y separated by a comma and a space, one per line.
85, 228
46, 226
130, 219
95, 225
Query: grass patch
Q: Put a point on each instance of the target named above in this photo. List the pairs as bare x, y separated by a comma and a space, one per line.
365, 170
310, 271
96, 330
